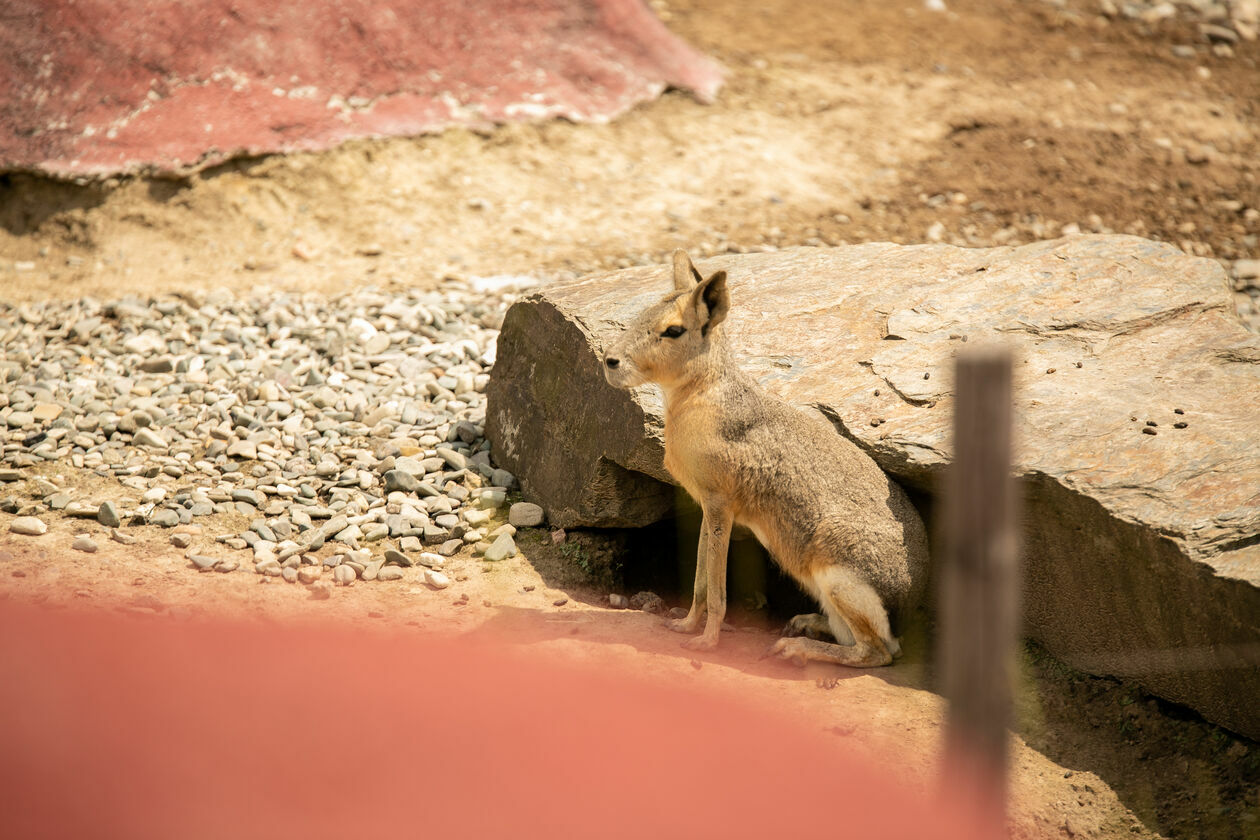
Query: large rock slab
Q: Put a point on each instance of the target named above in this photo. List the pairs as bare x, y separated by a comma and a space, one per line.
1142, 550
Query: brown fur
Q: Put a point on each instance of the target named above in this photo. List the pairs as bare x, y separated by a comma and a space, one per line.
824, 510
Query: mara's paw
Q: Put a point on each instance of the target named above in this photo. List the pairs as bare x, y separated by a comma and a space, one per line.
683, 625
701, 642
791, 650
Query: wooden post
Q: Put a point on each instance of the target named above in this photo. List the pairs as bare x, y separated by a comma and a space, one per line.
979, 583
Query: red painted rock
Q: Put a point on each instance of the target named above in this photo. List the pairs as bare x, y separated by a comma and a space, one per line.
96, 87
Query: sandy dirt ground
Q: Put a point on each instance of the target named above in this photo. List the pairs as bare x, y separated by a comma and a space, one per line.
997, 122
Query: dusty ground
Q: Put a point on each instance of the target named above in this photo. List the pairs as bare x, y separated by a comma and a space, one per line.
998, 122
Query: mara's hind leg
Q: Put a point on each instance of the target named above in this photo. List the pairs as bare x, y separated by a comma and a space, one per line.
854, 611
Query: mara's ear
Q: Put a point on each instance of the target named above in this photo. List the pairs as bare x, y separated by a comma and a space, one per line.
712, 301
685, 274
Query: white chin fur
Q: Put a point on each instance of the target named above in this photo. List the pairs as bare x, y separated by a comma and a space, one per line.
623, 377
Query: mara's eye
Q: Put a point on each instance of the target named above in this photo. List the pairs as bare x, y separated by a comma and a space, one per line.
674, 331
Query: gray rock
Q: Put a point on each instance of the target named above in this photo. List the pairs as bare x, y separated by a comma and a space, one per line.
648, 602
396, 558
455, 459
249, 497
181, 540
1143, 551
525, 515
203, 562
84, 543
450, 547
107, 515
164, 518
618, 602
148, 437
389, 573
502, 478
501, 549
400, 480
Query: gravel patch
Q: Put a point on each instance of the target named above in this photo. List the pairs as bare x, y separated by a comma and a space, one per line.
350, 426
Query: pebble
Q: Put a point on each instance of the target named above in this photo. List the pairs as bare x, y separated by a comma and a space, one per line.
436, 579
181, 540
431, 560
257, 407
84, 543
29, 525
396, 558
501, 549
344, 575
389, 573
648, 602
618, 602
525, 515
203, 562
164, 518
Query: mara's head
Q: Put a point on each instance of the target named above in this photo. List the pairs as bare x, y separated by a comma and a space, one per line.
660, 345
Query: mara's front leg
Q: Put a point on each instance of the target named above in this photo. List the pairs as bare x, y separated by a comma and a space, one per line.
699, 596
716, 531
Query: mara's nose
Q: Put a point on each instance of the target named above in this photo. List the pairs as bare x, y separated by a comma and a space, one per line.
612, 361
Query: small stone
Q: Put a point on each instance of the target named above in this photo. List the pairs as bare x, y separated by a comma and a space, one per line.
476, 518
492, 497
249, 497
28, 525
84, 543
559, 602
227, 565
390, 573
393, 557
433, 561
502, 548
1147, 430
618, 602
450, 547
164, 518
525, 515
648, 602
320, 592
559, 536
181, 540
46, 412
344, 574
148, 437
400, 480
456, 460
289, 574
270, 566
121, 537
436, 579
244, 449
203, 562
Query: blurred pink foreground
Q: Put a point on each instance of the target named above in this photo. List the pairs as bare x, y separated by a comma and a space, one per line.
123, 727
97, 87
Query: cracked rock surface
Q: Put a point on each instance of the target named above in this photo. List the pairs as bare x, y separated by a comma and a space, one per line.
1136, 388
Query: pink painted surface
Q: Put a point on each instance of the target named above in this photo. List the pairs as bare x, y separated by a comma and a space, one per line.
97, 87
118, 728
